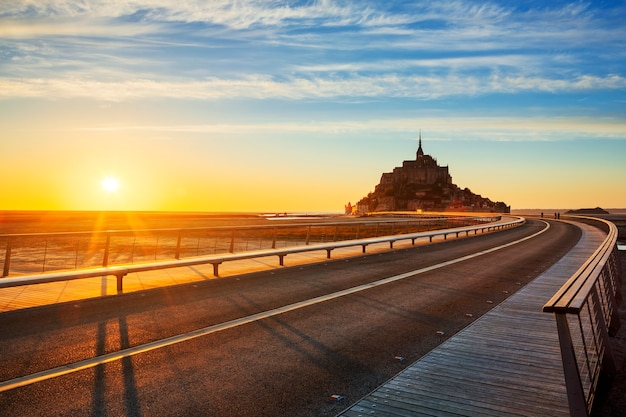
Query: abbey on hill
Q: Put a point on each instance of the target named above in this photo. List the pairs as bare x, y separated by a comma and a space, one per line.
423, 185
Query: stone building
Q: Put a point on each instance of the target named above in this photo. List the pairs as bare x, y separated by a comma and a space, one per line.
424, 185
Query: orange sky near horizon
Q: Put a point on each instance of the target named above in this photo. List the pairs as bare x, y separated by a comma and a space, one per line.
66, 173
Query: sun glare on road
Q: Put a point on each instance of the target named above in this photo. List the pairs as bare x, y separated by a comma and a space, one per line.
110, 184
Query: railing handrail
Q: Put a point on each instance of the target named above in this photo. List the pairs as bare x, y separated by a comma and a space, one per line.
122, 270
237, 227
572, 295
100, 241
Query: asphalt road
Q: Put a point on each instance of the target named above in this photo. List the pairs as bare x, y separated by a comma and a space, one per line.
289, 364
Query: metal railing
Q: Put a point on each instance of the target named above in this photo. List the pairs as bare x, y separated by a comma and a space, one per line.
586, 311
47, 252
215, 260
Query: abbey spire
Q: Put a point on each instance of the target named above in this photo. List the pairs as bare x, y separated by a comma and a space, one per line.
420, 152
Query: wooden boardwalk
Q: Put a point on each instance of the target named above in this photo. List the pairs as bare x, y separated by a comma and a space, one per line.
506, 363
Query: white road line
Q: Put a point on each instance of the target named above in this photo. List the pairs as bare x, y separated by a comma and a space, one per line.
157, 344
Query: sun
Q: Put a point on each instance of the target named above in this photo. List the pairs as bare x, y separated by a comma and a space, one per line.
110, 184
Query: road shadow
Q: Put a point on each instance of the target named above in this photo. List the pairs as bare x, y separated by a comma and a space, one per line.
132, 404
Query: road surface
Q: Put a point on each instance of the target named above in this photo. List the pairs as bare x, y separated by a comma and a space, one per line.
276, 363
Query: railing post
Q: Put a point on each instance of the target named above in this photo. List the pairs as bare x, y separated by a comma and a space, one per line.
45, 254
274, 240
105, 257
573, 384
7, 258
177, 255
232, 242
308, 235
76, 255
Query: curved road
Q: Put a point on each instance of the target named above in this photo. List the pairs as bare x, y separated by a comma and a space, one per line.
285, 364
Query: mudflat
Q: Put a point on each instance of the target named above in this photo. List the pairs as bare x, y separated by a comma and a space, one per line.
78, 221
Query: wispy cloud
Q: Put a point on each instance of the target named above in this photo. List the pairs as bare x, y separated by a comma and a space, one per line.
325, 49
438, 128
260, 87
241, 14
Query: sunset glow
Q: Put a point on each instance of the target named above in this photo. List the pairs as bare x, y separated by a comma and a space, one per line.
301, 106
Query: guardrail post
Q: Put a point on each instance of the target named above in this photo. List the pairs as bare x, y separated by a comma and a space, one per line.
232, 242
275, 237
105, 257
575, 392
308, 235
7, 258
119, 277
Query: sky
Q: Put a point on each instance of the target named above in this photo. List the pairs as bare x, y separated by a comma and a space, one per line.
300, 106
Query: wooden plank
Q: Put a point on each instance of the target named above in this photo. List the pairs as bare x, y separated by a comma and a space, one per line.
490, 400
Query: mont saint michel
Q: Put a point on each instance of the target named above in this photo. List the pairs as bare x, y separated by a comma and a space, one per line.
422, 184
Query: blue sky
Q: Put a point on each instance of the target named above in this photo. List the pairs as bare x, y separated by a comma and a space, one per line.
302, 105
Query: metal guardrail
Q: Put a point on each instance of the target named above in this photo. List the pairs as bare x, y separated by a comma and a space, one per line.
121, 271
46, 252
586, 311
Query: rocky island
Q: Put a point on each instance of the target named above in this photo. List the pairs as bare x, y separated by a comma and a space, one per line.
423, 185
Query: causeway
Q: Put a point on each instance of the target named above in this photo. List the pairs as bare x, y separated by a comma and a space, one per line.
506, 363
